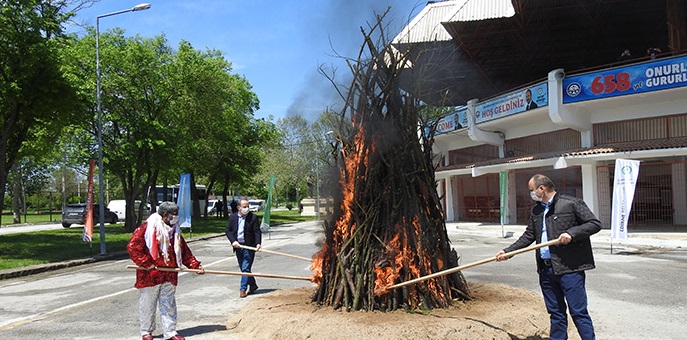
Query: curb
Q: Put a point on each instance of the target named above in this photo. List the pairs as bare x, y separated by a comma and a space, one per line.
45, 267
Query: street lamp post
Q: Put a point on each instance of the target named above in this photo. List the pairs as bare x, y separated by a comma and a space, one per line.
101, 215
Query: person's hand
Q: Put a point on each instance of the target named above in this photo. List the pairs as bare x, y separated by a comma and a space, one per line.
257, 247
500, 257
201, 270
565, 238
151, 267
236, 244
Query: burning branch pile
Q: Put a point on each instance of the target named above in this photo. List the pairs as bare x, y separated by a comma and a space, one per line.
387, 226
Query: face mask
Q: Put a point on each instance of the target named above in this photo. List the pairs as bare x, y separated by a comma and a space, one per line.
535, 197
245, 211
174, 220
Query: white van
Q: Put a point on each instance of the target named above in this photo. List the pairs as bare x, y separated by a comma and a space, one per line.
256, 205
119, 207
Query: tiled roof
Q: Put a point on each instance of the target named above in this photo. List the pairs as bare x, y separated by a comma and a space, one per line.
582, 152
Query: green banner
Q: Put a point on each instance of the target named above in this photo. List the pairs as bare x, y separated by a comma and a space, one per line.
503, 187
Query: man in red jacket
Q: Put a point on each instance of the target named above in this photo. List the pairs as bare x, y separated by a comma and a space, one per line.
158, 243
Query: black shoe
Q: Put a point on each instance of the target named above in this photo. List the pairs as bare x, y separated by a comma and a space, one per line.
252, 289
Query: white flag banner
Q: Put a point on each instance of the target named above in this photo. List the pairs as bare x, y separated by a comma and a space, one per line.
624, 182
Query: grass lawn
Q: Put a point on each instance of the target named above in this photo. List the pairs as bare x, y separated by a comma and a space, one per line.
24, 249
32, 218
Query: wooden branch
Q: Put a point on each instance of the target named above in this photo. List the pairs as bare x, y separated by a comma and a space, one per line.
273, 276
276, 253
473, 264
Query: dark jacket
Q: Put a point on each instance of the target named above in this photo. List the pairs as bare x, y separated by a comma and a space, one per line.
251, 230
566, 215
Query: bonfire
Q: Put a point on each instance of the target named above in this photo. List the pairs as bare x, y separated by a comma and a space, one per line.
387, 225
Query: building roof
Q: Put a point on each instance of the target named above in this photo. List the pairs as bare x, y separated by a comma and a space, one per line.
489, 56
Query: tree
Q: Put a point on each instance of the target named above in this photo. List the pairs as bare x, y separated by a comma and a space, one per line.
36, 99
168, 112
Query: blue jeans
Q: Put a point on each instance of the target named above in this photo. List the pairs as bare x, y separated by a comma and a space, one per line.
557, 289
245, 258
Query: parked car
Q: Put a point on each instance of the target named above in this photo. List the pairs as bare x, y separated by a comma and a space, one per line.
256, 205
119, 207
75, 213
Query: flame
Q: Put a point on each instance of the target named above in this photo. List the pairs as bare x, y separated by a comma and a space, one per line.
401, 258
356, 160
317, 265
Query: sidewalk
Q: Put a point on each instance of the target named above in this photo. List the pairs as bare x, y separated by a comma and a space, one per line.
643, 239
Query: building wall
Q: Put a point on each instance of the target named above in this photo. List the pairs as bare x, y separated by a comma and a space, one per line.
553, 138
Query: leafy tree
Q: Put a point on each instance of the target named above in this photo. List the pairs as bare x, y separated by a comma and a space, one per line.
36, 100
167, 112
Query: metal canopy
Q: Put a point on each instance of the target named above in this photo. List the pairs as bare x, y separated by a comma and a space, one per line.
490, 56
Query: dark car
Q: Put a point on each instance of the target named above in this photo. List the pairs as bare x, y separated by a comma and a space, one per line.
75, 213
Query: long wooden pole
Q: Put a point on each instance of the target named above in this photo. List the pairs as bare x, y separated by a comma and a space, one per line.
473, 264
276, 253
274, 276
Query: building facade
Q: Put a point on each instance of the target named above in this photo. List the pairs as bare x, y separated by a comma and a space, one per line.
570, 124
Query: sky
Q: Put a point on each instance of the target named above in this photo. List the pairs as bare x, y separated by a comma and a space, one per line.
277, 46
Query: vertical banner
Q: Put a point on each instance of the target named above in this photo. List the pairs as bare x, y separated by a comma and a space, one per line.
624, 182
265, 224
88, 224
184, 201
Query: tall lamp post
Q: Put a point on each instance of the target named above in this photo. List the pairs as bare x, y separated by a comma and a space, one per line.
101, 215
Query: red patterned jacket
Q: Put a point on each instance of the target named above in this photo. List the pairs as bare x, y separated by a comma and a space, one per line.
140, 254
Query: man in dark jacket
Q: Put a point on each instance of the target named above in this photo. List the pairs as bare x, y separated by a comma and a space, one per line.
243, 228
561, 267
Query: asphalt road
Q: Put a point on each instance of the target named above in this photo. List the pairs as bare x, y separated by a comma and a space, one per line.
635, 293
25, 228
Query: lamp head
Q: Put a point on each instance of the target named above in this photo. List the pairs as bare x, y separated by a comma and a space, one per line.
141, 7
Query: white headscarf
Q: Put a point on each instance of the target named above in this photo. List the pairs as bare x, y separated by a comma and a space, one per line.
157, 238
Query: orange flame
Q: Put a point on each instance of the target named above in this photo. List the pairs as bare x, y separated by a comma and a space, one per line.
317, 264
402, 259
356, 160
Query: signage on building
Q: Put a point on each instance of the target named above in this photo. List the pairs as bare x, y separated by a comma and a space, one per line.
511, 103
656, 75
455, 121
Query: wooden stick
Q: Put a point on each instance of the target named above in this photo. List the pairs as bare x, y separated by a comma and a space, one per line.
274, 276
277, 253
473, 264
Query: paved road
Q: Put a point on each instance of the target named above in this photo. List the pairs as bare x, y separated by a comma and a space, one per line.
635, 293
25, 228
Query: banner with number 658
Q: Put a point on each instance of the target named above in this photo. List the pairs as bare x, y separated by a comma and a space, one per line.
655, 75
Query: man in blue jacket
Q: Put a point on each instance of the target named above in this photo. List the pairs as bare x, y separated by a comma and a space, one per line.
561, 267
243, 228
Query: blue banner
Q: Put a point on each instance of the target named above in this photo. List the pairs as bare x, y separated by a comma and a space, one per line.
511, 103
184, 201
454, 121
651, 76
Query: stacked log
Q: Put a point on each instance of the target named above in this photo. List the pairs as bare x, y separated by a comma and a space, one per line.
388, 224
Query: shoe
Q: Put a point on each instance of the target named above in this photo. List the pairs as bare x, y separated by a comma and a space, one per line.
177, 337
242, 294
147, 337
252, 289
